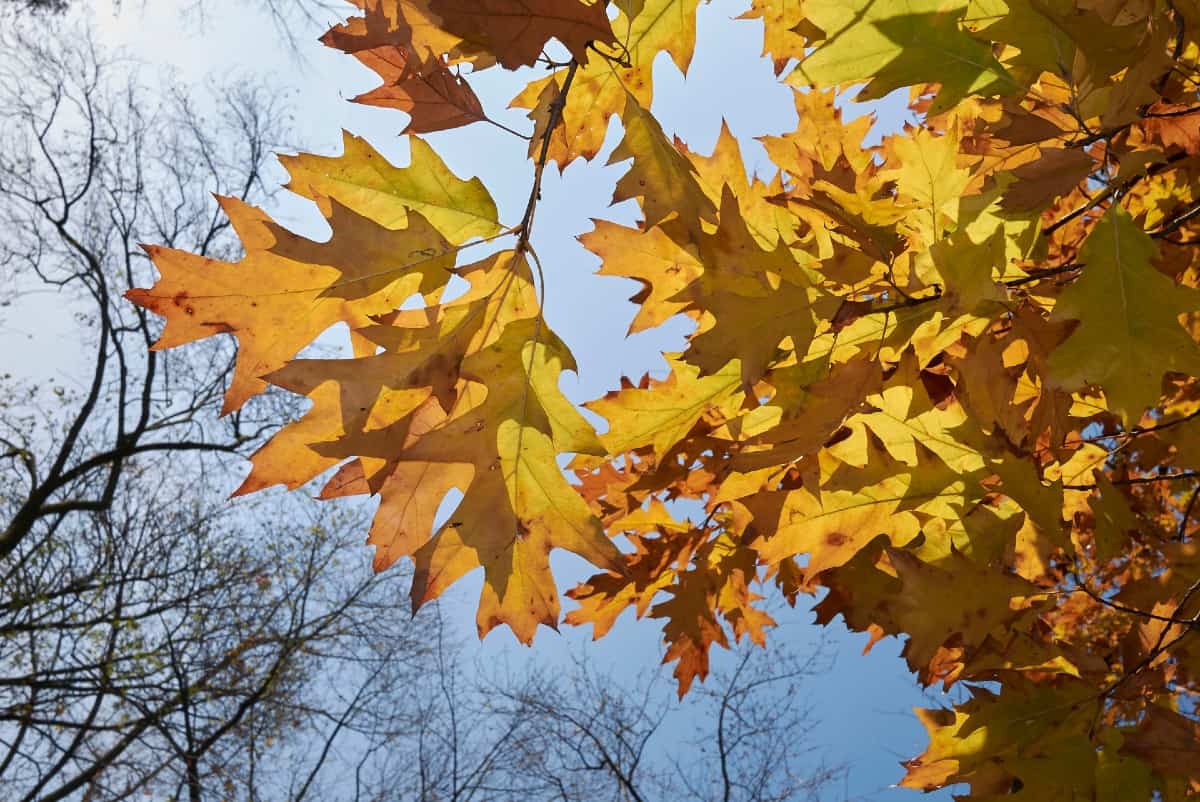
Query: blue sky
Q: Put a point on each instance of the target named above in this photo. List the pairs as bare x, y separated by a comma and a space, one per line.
864, 701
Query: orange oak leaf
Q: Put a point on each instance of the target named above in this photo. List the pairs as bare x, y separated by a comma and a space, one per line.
518, 506
650, 257
287, 289
409, 24
435, 97
1056, 173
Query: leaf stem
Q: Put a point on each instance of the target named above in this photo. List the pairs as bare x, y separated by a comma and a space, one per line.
504, 127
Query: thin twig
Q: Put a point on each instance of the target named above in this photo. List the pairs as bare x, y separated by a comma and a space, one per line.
1141, 480
936, 294
557, 105
1181, 533
1114, 191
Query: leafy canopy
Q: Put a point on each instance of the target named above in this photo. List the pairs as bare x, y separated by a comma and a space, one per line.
949, 382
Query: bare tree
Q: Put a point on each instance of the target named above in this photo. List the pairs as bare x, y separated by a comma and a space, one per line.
583, 734
48, 6
577, 733
289, 16
153, 638
761, 744
749, 731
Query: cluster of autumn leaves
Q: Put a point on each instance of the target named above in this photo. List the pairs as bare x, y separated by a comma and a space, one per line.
947, 383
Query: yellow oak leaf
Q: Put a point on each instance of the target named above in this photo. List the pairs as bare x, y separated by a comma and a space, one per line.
599, 88
518, 505
928, 178
968, 269
758, 298
650, 27
649, 256
906, 418
343, 404
376, 394
661, 176
996, 729
854, 506
1128, 333
363, 180
821, 138
806, 410
900, 43
1038, 33
596, 94
725, 168
864, 215
1043, 503
782, 23
663, 413
410, 496
987, 386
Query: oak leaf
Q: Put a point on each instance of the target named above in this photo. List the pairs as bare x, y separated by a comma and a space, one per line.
287, 290
517, 32
928, 178
518, 505
600, 87
758, 298
1129, 332
661, 414
855, 505
409, 24
653, 259
434, 97
363, 180
660, 175
898, 44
